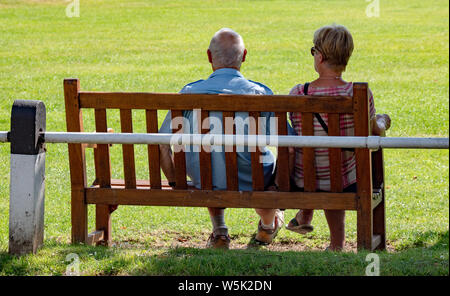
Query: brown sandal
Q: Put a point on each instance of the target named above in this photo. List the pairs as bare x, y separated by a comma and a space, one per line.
302, 229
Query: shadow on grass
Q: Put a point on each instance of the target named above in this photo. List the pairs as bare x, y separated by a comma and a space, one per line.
51, 260
431, 260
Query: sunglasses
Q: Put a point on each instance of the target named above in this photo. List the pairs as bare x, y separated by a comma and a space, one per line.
314, 50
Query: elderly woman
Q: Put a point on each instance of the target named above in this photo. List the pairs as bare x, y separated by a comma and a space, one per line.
333, 46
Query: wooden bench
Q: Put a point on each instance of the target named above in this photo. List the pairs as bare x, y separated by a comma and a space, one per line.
106, 193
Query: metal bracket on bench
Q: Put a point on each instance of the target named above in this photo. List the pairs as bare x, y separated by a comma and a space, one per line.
377, 196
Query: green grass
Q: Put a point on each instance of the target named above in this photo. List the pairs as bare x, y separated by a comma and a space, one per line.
160, 46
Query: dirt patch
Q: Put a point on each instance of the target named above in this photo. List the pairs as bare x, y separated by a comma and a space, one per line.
173, 239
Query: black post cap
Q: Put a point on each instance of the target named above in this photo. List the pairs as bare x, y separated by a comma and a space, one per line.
27, 122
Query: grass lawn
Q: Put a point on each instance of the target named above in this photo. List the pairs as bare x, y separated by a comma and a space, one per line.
160, 46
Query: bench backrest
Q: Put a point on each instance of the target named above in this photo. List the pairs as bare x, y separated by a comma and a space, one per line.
77, 100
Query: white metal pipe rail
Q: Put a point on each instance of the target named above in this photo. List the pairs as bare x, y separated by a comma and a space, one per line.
371, 142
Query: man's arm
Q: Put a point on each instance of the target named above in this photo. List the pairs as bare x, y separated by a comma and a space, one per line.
166, 156
380, 124
166, 161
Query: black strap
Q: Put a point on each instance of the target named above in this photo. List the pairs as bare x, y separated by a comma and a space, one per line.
305, 88
319, 118
317, 115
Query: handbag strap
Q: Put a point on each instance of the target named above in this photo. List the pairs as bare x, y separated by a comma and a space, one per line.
317, 115
320, 119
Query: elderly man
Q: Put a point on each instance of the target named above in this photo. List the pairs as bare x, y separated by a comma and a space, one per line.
226, 53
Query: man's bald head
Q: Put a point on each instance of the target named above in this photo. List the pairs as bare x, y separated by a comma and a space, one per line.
226, 49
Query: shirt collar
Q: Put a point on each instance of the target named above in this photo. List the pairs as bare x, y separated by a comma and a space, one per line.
226, 71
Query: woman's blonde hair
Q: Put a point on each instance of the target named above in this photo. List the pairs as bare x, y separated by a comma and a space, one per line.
336, 45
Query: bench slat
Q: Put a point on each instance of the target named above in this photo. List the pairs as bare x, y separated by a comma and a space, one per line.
153, 150
309, 170
126, 125
103, 176
179, 156
283, 154
335, 154
101, 153
223, 199
235, 103
205, 154
230, 153
257, 166
143, 184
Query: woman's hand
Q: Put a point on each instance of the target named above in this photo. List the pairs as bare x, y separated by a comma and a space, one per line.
383, 120
380, 123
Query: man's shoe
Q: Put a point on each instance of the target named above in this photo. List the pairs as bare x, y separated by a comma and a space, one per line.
266, 236
218, 241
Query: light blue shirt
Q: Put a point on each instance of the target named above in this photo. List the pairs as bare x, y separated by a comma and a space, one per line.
229, 81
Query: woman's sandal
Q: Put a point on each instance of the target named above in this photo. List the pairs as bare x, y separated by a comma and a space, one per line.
302, 229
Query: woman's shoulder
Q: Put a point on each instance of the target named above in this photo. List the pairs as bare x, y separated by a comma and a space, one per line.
344, 89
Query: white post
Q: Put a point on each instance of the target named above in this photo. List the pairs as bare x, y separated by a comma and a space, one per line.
26, 208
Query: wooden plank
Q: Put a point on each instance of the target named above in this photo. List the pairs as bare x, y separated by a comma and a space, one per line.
153, 150
103, 175
77, 162
309, 170
376, 241
95, 237
363, 167
126, 126
230, 153
214, 102
101, 153
205, 154
335, 155
257, 166
179, 156
223, 199
141, 184
283, 154
89, 146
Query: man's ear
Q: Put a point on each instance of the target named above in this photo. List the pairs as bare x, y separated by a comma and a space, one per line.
209, 56
244, 55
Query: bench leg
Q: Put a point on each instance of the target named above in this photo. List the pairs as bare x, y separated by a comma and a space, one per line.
103, 222
79, 215
379, 213
364, 227
379, 225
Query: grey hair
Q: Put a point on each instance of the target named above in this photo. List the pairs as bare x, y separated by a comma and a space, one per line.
227, 49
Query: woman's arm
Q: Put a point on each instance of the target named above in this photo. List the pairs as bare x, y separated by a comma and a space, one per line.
380, 124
